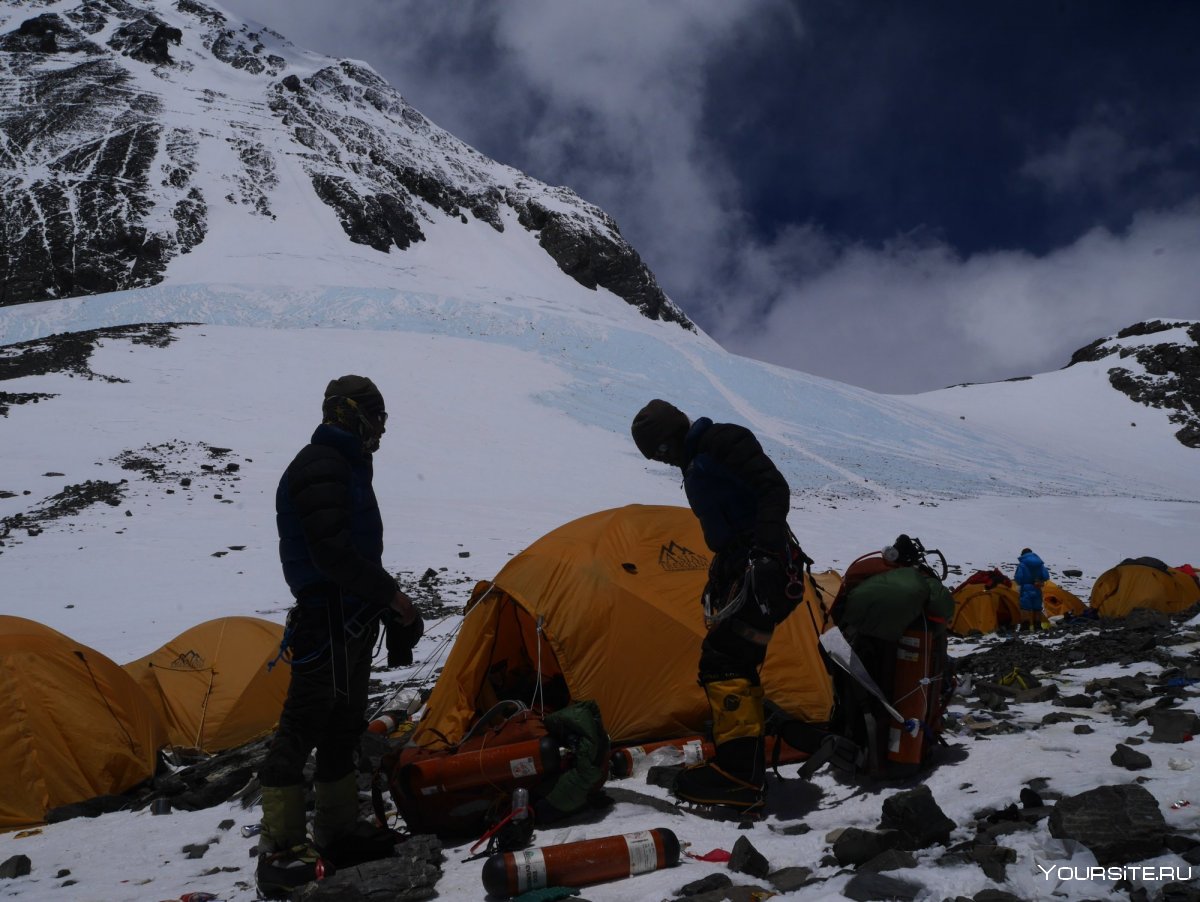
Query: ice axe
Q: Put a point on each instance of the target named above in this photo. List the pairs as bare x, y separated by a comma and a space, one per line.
843, 655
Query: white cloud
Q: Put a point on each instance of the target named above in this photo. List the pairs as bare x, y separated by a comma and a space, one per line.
912, 318
609, 98
1094, 155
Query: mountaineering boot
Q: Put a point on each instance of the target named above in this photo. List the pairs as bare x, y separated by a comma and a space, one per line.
728, 779
286, 860
342, 839
283, 818
736, 775
336, 809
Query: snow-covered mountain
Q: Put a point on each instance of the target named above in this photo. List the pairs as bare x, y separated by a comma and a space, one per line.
148, 140
165, 163
204, 224
1131, 400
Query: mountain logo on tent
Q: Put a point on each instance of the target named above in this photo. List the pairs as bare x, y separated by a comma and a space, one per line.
676, 557
189, 660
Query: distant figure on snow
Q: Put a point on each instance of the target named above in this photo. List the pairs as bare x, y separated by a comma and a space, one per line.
1030, 576
754, 582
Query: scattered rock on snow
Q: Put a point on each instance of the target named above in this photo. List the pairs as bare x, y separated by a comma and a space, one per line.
410, 876
745, 859
1173, 725
1120, 824
787, 879
917, 817
891, 860
17, 866
866, 886
704, 885
855, 846
1129, 759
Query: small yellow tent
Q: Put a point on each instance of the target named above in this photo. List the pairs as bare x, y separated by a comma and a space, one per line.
607, 607
1143, 583
1057, 601
73, 725
985, 602
211, 684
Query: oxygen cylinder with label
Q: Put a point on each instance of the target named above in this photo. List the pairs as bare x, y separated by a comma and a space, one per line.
915, 689
624, 762
499, 765
395, 711
688, 750
580, 863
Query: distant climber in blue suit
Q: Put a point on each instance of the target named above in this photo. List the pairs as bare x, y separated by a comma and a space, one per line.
1031, 574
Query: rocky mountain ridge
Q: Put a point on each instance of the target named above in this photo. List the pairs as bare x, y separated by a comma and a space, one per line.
134, 125
1162, 372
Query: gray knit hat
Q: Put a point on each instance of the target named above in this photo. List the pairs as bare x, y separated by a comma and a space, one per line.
655, 425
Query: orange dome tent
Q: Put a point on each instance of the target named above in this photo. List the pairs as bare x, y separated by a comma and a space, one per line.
211, 684
607, 608
984, 602
1057, 601
1144, 582
73, 725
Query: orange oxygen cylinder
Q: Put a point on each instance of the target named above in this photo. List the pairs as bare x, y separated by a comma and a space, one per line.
913, 699
624, 761
499, 765
580, 863
386, 722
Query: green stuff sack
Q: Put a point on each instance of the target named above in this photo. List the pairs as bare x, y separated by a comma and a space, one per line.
883, 606
579, 727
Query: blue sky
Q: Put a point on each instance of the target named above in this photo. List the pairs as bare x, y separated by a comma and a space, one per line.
899, 196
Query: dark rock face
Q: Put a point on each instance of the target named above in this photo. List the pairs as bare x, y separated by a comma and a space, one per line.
83, 223
1120, 824
99, 177
1172, 373
147, 39
595, 259
393, 189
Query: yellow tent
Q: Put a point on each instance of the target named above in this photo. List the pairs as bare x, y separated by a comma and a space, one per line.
985, 602
1143, 583
73, 725
1057, 601
211, 684
615, 599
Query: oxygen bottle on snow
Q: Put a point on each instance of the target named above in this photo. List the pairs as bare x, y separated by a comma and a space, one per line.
580, 863
627, 760
395, 711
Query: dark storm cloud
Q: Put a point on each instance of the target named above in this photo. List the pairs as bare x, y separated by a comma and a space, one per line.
900, 196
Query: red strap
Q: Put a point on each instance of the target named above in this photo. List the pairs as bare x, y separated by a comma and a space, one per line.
504, 820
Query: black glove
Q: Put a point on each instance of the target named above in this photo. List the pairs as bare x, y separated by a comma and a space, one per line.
729, 563
401, 640
770, 580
